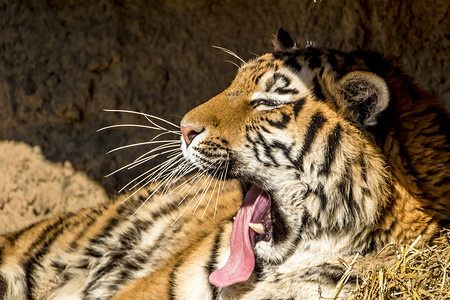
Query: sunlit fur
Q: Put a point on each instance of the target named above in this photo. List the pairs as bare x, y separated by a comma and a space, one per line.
352, 154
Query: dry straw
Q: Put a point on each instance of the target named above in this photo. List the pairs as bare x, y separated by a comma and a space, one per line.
414, 274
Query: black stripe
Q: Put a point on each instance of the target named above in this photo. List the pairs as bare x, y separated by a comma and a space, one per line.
292, 63
38, 250
3, 287
172, 282
280, 232
332, 60
346, 189
294, 244
14, 236
106, 268
43, 236
133, 235
322, 70
330, 152
363, 166
124, 259
2, 248
325, 273
314, 62
261, 141
127, 242
322, 197
315, 124
111, 224
282, 89
123, 212
282, 124
317, 89
263, 128
168, 209
269, 84
267, 149
91, 216
257, 78
172, 274
279, 145
298, 106
211, 265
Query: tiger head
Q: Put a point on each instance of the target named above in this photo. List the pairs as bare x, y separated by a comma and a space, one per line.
297, 128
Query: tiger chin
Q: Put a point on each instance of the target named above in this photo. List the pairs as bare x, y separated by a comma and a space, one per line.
326, 156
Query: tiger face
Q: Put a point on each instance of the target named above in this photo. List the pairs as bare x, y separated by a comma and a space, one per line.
279, 128
298, 128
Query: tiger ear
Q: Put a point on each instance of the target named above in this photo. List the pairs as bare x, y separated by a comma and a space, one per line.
283, 41
365, 96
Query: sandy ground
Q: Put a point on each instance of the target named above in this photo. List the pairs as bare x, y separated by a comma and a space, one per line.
62, 62
37, 188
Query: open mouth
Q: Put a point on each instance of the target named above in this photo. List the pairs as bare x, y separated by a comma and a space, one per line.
252, 224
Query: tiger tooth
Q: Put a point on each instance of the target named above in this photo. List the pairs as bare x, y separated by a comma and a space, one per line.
234, 218
257, 227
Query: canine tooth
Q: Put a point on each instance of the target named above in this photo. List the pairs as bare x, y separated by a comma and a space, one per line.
234, 218
257, 227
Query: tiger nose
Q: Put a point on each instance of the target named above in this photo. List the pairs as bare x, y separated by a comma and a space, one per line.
189, 133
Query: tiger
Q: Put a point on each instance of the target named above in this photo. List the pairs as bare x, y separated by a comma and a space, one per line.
312, 157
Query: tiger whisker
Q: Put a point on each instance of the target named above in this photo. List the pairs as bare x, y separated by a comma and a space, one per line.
184, 169
128, 166
163, 133
160, 169
146, 159
214, 189
142, 114
139, 144
232, 62
228, 51
132, 194
208, 183
200, 174
223, 184
185, 184
192, 199
145, 173
180, 215
253, 53
197, 177
178, 173
220, 181
160, 147
139, 126
150, 196
154, 123
166, 179
171, 176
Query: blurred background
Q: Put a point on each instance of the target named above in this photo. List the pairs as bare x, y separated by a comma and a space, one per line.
63, 62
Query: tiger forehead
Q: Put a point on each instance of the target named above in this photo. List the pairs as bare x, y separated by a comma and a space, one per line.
249, 75
272, 75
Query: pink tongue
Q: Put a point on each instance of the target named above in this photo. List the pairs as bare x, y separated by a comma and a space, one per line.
241, 262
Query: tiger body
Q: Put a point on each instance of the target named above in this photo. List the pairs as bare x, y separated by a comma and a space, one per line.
342, 155
93, 253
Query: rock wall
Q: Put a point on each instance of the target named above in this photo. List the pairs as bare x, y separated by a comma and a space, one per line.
63, 62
